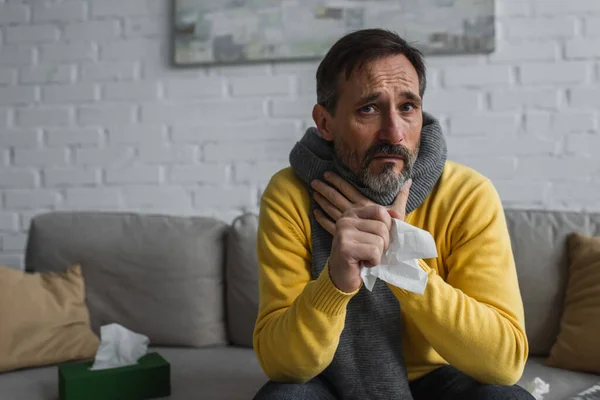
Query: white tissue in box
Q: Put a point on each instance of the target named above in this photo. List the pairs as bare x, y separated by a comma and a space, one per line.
399, 265
119, 347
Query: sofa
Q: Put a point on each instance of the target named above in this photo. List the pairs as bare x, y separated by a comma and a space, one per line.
131, 264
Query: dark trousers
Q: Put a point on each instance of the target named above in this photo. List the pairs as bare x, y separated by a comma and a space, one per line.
445, 383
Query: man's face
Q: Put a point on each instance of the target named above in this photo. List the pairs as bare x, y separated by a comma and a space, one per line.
376, 128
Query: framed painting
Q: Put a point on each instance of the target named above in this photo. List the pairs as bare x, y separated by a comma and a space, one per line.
239, 31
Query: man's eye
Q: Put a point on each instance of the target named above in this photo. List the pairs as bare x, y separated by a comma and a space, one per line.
408, 107
367, 109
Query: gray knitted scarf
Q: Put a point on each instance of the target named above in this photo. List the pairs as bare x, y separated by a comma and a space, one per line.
368, 363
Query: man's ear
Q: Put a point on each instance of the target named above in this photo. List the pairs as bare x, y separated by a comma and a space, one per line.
322, 119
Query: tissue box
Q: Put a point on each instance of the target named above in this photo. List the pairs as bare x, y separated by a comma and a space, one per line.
150, 378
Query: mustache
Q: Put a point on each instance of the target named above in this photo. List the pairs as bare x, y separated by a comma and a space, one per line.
388, 149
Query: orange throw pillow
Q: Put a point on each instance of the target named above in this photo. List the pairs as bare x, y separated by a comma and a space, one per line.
577, 346
43, 319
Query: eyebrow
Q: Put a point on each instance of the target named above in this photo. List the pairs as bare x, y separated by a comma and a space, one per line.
374, 96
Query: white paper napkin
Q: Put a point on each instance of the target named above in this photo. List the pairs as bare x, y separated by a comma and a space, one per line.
399, 265
119, 347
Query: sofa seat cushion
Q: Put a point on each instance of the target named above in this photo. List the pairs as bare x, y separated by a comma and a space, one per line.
563, 383
218, 373
215, 373
232, 373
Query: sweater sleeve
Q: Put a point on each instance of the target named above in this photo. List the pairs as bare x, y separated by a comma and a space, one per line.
300, 320
474, 319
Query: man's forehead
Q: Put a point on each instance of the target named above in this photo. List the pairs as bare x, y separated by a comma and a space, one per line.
394, 71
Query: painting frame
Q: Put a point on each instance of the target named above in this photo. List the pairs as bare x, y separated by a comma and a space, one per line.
222, 32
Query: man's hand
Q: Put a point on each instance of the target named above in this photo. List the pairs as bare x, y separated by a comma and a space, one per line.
340, 196
361, 237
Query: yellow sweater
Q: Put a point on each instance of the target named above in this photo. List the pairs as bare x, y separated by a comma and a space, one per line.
470, 316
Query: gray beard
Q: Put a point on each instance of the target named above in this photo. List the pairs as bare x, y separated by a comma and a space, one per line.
387, 181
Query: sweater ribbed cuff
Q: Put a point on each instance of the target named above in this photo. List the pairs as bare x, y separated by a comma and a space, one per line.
328, 298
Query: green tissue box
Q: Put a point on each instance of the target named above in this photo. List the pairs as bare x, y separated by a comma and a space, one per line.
150, 378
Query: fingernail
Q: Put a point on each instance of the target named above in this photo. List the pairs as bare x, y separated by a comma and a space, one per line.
327, 175
313, 183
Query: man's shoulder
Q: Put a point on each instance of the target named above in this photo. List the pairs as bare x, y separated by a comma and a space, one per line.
286, 186
461, 187
286, 197
464, 177
286, 180
286, 177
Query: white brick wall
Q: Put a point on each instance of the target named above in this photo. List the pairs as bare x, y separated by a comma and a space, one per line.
132, 91
7, 76
102, 30
43, 116
106, 72
592, 26
31, 34
93, 117
193, 88
71, 176
13, 13
67, 52
13, 95
18, 178
20, 138
47, 74
541, 28
573, 73
69, 94
9, 221
12, 55
82, 137
61, 12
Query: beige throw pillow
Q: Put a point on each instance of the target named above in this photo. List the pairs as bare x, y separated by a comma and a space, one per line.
577, 346
43, 319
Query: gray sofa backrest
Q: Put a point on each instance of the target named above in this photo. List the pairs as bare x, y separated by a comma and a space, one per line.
221, 259
540, 249
161, 276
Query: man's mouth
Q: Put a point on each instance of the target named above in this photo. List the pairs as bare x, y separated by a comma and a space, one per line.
388, 156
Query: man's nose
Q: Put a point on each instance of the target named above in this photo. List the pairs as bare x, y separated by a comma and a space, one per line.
393, 128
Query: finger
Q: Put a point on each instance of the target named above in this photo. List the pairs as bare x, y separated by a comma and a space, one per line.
361, 247
332, 195
346, 188
374, 212
373, 232
325, 222
367, 254
398, 207
329, 208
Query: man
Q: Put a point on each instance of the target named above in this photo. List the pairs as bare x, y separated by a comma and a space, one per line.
375, 156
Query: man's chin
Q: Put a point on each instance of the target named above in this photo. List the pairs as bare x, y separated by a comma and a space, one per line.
387, 170
386, 182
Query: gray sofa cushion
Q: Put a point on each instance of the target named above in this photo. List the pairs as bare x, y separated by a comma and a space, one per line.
540, 249
222, 373
242, 279
161, 276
